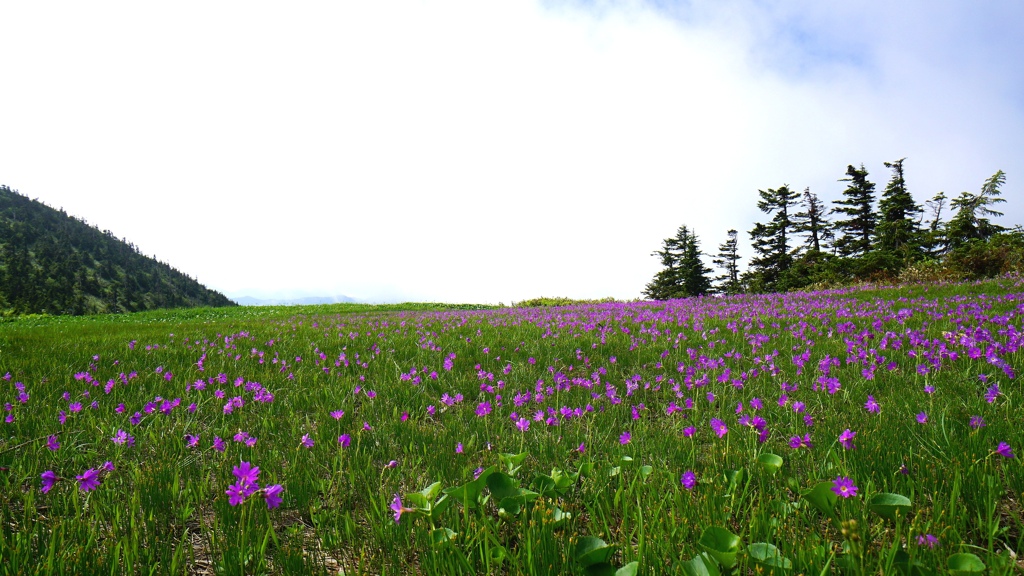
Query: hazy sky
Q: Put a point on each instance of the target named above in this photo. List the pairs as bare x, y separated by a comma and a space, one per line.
482, 150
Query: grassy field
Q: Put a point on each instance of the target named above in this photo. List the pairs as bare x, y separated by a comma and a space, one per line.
860, 432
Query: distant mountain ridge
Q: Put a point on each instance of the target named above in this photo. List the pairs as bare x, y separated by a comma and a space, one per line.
54, 263
308, 300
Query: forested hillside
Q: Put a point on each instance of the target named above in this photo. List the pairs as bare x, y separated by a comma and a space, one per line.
53, 263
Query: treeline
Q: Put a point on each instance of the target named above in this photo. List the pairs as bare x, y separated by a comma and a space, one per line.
53, 263
806, 243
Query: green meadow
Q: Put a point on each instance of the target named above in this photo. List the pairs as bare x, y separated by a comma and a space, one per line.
856, 431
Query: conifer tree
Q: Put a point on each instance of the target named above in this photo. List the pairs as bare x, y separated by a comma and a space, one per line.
935, 234
897, 231
727, 261
857, 205
812, 221
771, 241
972, 211
684, 273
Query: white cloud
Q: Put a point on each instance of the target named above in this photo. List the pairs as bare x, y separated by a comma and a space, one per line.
474, 151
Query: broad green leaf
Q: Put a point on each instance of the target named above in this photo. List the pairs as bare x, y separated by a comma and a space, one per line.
734, 478
645, 471
439, 507
721, 544
770, 463
418, 500
629, 569
512, 462
442, 536
602, 569
558, 517
563, 481
700, 565
544, 484
823, 498
431, 491
592, 550
511, 506
965, 563
768, 556
889, 505
626, 459
614, 471
502, 485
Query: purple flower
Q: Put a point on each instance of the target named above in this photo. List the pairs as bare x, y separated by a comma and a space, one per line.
977, 422
689, 431
218, 444
458, 448
872, 406
366, 426
246, 473
191, 441
1004, 450
88, 480
581, 448
928, 540
846, 439
344, 440
306, 441
48, 480
337, 414
52, 443
929, 389
719, 427
75, 407
272, 495
135, 419
625, 437
523, 424
922, 418
392, 464
992, 393
236, 493
844, 487
688, 480
398, 509
123, 438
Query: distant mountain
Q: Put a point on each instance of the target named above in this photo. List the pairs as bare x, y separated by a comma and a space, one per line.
57, 264
250, 301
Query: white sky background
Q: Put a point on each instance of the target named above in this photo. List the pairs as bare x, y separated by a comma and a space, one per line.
483, 151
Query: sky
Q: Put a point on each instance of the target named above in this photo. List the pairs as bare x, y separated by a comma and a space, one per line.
485, 151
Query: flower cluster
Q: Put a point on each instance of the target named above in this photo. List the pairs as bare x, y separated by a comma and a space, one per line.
246, 485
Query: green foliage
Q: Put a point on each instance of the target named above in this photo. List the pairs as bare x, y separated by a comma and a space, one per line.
684, 273
971, 221
897, 232
772, 242
53, 263
857, 205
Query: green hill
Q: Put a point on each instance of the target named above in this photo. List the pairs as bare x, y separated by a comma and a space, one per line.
54, 263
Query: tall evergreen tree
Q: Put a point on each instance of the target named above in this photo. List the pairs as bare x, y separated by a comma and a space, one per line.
727, 261
897, 231
935, 234
684, 273
857, 205
812, 221
771, 241
972, 211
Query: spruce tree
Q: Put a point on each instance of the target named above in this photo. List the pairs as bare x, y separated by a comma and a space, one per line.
771, 241
857, 205
934, 236
897, 231
684, 273
727, 261
812, 221
972, 211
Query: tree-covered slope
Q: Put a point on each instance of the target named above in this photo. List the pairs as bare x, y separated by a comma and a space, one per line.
57, 264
